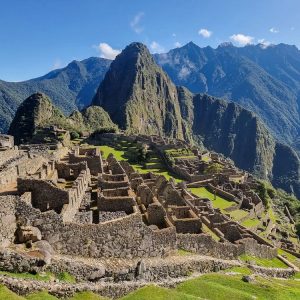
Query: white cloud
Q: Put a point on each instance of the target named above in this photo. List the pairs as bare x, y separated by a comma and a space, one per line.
156, 47
242, 39
274, 30
184, 72
205, 33
106, 51
135, 24
264, 43
177, 44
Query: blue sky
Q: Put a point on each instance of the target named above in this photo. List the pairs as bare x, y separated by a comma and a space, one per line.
37, 36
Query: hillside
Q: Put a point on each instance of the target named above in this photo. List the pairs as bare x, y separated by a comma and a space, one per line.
144, 98
70, 88
37, 112
262, 79
145, 101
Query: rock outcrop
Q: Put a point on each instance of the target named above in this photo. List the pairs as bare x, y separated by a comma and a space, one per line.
38, 112
139, 96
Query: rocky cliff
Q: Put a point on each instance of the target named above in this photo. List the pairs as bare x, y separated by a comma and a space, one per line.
38, 112
139, 96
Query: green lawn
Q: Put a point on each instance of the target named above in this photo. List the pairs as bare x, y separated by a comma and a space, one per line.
6, 294
86, 296
224, 287
157, 293
238, 214
218, 203
250, 223
241, 270
40, 296
269, 263
290, 257
43, 277
155, 161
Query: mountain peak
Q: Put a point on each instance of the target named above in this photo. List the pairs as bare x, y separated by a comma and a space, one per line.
138, 95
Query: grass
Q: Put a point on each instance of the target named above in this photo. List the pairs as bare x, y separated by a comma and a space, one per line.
214, 286
263, 262
157, 293
86, 296
238, 214
240, 270
221, 203
250, 223
40, 296
290, 257
6, 294
182, 252
210, 232
66, 277
224, 287
157, 168
41, 277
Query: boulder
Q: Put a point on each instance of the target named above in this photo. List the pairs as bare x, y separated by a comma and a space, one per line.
28, 233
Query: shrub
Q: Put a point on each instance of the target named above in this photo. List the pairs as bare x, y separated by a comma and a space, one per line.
74, 135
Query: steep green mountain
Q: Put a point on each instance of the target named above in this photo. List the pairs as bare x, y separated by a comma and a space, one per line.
262, 79
139, 96
70, 88
37, 112
228, 128
136, 93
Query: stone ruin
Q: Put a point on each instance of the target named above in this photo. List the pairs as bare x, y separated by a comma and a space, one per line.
78, 203
6, 141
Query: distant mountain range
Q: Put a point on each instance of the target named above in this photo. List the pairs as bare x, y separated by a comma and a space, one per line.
69, 88
265, 80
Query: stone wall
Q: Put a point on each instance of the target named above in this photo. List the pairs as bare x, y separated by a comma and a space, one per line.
126, 237
7, 220
204, 244
8, 154
221, 193
45, 195
251, 247
91, 156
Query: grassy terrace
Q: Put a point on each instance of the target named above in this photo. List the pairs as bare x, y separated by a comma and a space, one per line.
251, 223
268, 263
155, 165
217, 203
216, 286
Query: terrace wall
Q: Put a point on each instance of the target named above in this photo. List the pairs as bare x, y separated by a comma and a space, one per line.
8, 224
126, 237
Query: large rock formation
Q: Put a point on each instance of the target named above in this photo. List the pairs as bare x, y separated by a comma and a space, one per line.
38, 112
139, 96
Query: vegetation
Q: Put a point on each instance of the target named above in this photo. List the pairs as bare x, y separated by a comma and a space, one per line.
44, 277
263, 262
66, 277
218, 202
157, 293
214, 168
86, 296
40, 296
